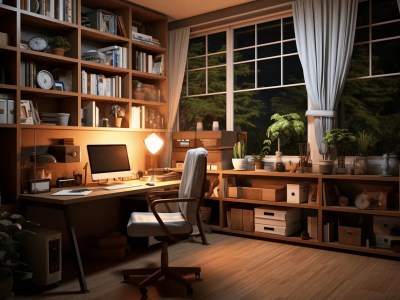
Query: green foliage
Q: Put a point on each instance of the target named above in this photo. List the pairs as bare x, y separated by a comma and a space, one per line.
239, 149
365, 141
12, 229
59, 42
339, 138
285, 126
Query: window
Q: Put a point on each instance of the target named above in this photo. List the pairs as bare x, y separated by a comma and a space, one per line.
266, 78
371, 98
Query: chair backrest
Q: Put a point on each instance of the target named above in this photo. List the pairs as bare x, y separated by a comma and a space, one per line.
192, 182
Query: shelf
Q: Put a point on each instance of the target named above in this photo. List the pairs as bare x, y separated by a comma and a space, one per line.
103, 68
145, 75
348, 209
148, 47
102, 37
48, 93
271, 203
88, 97
37, 20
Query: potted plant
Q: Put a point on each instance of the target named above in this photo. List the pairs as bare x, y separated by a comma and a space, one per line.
285, 127
12, 268
59, 45
365, 141
239, 160
118, 113
339, 139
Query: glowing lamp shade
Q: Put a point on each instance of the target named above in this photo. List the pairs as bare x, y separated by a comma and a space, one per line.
153, 143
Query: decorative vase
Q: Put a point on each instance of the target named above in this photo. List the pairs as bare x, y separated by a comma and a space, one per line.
118, 122
58, 51
326, 166
239, 164
360, 165
393, 165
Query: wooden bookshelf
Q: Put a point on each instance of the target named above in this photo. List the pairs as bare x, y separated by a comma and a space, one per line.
21, 24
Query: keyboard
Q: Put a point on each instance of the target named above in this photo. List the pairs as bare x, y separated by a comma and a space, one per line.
121, 186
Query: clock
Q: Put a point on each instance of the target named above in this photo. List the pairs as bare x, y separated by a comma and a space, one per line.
44, 79
34, 6
38, 43
362, 201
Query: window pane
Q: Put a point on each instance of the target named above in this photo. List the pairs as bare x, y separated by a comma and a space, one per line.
288, 29
385, 57
373, 105
359, 65
269, 72
384, 10
217, 59
386, 30
292, 70
363, 13
269, 32
268, 51
207, 108
362, 35
197, 46
197, 82
243, 55
243, 76
217, 80
184, 86
289, 47
197, 62
253, 111
217, 42
244, 37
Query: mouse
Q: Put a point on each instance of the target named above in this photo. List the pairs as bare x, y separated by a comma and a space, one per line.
150, 183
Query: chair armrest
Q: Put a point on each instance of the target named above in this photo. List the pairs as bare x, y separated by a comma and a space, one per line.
156, 202
154, 195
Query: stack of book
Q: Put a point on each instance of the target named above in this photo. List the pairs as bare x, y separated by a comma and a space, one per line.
114, 56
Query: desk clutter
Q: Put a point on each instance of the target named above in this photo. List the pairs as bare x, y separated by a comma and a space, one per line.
219, 145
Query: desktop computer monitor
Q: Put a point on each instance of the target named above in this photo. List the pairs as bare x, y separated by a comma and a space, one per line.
109, 161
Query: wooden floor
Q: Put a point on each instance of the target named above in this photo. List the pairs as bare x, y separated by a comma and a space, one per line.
241, 268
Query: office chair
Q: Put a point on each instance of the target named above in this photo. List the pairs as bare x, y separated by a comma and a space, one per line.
171, 226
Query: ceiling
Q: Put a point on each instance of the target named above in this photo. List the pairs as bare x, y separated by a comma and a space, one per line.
182, 9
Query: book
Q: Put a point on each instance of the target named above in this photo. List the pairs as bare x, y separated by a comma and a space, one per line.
158, 65
90, 114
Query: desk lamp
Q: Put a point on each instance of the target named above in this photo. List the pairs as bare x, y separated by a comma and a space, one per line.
153, 143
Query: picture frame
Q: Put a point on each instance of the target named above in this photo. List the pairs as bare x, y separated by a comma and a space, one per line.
26, 115
59, 85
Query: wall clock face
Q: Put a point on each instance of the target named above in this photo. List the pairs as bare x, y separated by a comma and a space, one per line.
44, 79
362, 201
38, 43
34, 6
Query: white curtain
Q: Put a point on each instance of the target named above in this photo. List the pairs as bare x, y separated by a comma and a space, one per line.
324, 32
177, 53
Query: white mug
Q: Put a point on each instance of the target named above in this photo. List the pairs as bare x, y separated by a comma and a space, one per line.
215, 126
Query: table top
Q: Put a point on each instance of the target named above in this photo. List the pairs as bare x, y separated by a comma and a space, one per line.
98, 192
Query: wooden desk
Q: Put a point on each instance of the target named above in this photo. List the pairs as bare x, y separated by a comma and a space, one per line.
98, 192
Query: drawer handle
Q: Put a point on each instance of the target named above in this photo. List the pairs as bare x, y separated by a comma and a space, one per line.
269, 228
268, 214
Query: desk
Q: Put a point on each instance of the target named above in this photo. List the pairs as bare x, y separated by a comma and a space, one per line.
64, 202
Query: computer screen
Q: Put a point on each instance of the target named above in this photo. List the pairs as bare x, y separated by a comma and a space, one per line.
109, 161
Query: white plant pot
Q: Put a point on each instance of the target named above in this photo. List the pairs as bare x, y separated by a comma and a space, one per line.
239, 163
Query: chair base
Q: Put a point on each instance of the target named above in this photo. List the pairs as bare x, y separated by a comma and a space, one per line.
154, 274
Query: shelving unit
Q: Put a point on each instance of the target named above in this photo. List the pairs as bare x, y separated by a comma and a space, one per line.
348, 185
22, 24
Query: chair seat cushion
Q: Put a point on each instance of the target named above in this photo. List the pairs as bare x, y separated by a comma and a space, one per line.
146, 224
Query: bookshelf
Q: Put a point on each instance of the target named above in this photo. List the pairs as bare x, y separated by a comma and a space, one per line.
116, 80
368, 223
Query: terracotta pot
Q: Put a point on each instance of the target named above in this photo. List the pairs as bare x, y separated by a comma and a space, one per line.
58, 51
326, 166
118, 122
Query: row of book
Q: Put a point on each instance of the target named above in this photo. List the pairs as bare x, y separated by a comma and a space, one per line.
28, 73
146, 117
149, 63
104, 21
7, 104
90, 114
99, 84
115, 56
144, 38
63, 10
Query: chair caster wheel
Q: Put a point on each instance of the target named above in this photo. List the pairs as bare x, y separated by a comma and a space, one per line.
143, 291
197, 275
189, 291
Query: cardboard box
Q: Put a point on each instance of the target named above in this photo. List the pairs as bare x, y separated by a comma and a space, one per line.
66, 153
10, 111
184, 139
216, 139
297, 192
350, 235
279, 216
3, 39
248, 220
235, 192
384, 225
387, 240
272, 193
262, 225
312, 226
242, 219
236, 219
